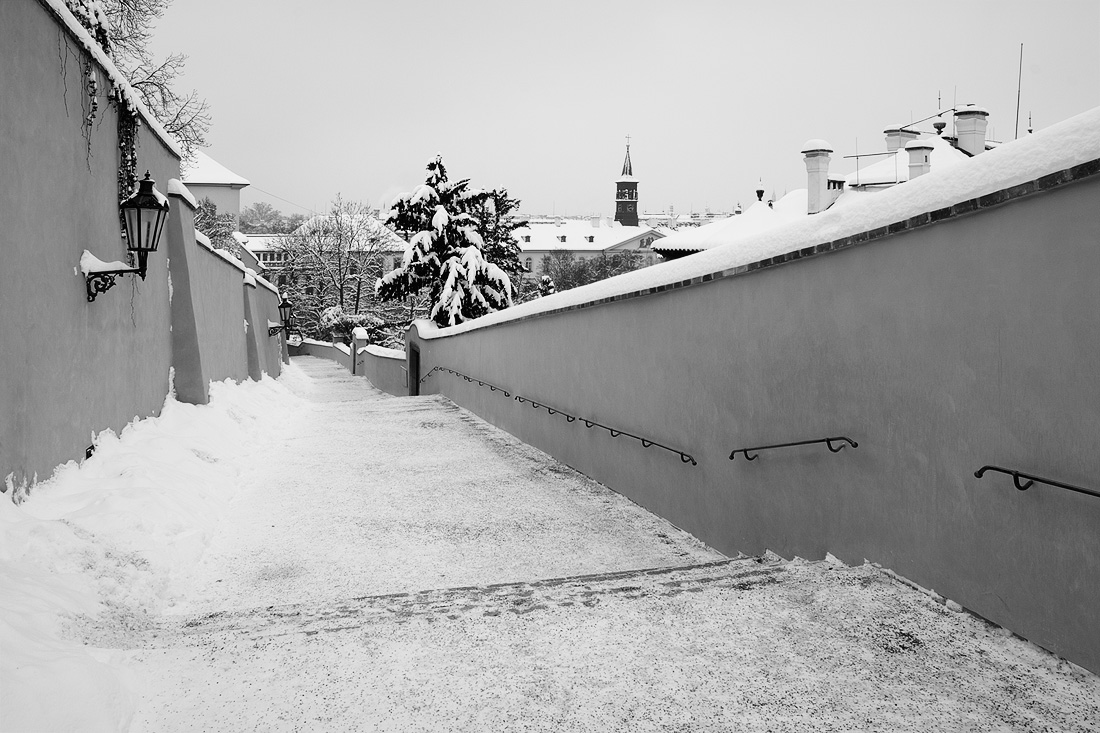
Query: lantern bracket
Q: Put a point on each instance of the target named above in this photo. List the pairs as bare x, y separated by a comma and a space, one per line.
101, 281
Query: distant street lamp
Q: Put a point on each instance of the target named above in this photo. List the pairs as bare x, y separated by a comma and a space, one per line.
285, 309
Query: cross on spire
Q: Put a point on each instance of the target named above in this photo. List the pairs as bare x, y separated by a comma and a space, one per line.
628, 170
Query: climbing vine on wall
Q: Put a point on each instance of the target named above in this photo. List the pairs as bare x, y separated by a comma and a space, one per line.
128, 123
91, 15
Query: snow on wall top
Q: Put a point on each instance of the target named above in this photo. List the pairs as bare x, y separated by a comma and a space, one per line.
547, 237
203, 170
130, 97
176, 188
383, 352
1061, 146
757, 218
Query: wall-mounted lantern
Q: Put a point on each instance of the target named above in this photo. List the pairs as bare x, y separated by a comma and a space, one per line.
284, 315
144, 215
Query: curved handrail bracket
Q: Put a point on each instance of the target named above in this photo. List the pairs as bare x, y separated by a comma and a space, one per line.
1016, 482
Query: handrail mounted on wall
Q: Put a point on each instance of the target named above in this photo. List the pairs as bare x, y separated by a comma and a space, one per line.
827, 441
1017, 475
615, 433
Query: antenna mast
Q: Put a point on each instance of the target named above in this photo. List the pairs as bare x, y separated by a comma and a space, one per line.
1019, 83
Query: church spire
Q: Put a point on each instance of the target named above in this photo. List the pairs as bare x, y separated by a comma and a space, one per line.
626, 193
628, 170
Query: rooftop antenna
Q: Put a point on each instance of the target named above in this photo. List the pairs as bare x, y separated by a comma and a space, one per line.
1019, 84
954, 107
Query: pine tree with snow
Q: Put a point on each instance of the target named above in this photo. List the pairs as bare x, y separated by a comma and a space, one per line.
546, 286
444, 256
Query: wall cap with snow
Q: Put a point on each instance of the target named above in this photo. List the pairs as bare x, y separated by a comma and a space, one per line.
80, 34
1062, 154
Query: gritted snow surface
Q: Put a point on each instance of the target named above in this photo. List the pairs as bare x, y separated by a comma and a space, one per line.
311, 554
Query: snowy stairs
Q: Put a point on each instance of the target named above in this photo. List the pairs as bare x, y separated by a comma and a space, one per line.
742, 574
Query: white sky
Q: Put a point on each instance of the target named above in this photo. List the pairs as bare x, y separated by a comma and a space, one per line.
314, 98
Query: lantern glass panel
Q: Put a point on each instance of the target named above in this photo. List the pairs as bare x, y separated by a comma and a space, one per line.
284, 311
134, 219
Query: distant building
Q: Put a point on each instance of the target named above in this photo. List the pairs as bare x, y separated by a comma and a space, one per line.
206, 178
909, 153
584, 238
593, 236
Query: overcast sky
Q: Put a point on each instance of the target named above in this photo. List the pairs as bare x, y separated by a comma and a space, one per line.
311, 98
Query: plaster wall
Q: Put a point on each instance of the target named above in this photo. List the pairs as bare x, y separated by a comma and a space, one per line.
70, 368
67, 367
384, 372
968, 342
323, 351
226, 198
263, 307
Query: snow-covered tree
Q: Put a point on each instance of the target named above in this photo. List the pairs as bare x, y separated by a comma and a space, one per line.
124, 28
441, 220
567, 271
333, 259
263, 218
217, 227
497, 220
546, 286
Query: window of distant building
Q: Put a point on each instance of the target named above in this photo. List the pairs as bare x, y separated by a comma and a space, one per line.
561, 238
590, 238
527, 264
526, 237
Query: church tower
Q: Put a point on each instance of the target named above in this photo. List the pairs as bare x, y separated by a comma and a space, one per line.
626, 193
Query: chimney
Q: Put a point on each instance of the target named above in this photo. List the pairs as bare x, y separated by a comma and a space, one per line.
970, 126
817, 158
920, 157
897, 136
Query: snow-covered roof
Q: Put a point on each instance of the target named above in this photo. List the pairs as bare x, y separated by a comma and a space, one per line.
605, 235
203, 170
366, 225
757, 218
1059, 147
261, 242
891, 169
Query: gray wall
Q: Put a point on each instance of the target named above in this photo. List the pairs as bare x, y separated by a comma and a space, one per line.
68, 367
384, 372
323, 351
971, 341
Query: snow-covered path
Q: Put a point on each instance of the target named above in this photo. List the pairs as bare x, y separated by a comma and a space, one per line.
365, 494
397, 565
311, 554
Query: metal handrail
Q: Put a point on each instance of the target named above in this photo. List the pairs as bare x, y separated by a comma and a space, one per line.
646, 443
480, 383
615, 433
827, 441
1017, 475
